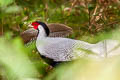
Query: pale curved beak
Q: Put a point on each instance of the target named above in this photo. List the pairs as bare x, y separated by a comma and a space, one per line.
30, 26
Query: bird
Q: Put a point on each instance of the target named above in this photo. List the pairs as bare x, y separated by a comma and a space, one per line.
56, 30
60, 50
57, 49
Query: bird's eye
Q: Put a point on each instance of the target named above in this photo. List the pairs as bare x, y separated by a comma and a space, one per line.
35, 24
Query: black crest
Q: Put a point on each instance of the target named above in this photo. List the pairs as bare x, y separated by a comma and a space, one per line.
45, 27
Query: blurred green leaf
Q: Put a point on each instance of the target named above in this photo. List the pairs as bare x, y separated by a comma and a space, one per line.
88, 69
16, 62
13, 9
5, 2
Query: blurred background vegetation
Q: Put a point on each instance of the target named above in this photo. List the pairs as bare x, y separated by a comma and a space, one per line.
88, 18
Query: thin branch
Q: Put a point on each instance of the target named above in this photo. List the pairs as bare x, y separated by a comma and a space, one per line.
2, 30
46, 9
72, 5
92, 18
94, 13
115, 22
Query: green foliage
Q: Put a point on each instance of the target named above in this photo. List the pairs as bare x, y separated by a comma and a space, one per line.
15, 62
91, 20
13, 9
4, 3
88, 69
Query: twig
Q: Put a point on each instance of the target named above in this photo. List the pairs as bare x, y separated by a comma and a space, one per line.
92, 19
112, 23
94, 13
89, 19
46, 9
73, 4
2, 30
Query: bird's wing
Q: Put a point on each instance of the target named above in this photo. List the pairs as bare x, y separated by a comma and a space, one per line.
29, 35
56, 30
59, 30
59, 34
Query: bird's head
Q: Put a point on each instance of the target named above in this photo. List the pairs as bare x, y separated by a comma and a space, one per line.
40, 26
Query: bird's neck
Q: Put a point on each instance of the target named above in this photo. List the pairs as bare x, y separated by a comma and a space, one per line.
41, 40
41, 35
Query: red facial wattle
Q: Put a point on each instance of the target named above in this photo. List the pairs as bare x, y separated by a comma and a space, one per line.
35, 25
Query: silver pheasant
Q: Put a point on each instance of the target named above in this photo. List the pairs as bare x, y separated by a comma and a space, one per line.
64, 49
